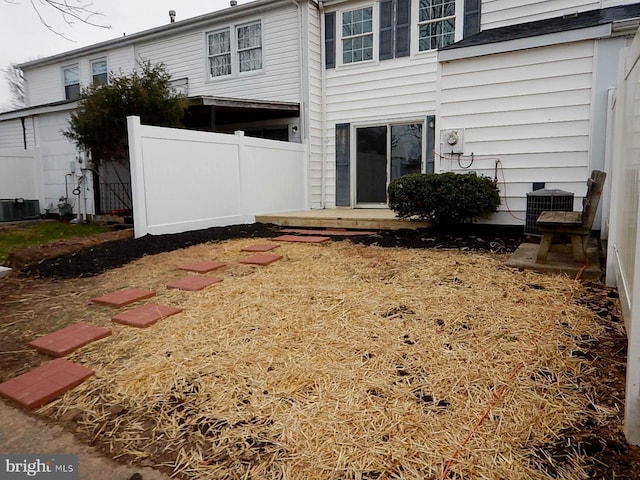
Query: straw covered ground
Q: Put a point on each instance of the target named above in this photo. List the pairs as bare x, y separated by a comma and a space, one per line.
341, 361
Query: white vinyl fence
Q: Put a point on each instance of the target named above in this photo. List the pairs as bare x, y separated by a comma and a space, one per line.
185, 180
21, 174
623, 260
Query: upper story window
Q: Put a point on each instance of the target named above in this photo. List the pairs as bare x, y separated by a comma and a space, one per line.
243, 54
357, 35
71, 77
250, 47
99, 74
436, 23
220, 53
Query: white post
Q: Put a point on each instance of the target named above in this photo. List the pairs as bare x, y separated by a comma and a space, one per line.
136, 161
241, 155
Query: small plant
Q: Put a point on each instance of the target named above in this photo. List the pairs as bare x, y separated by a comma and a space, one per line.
443, 199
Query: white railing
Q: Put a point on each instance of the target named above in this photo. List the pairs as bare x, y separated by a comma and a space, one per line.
623, 260
21, 174
185, 180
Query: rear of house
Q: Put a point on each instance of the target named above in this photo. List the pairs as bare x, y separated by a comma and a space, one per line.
514, 90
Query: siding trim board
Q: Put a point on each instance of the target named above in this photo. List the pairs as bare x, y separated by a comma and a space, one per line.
600, 31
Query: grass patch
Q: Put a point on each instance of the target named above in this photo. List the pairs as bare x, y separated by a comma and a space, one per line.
14, 237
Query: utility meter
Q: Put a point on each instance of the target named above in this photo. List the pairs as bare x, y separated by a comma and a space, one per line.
452, 140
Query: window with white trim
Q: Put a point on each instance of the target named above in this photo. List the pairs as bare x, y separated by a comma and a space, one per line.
234, 49
99, 74
71, 76
250, 47
357, 35
219, 53
436, 23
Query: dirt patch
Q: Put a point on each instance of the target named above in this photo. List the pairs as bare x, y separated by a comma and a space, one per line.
29, 308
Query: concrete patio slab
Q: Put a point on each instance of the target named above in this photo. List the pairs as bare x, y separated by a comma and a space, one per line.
65, 341
123, 297
193, 282
47, 382
145, 316
559, 261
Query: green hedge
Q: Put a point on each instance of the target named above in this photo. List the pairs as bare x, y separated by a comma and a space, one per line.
443, 199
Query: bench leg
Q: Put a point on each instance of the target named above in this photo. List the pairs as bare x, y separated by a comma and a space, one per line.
578, 245
545, 246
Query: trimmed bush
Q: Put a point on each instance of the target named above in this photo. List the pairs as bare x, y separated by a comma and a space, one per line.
443, 199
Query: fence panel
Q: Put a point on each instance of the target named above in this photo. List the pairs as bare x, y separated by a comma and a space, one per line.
186, 180
21, 174
622, 257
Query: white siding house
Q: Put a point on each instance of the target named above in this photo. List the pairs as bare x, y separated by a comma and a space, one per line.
250, 67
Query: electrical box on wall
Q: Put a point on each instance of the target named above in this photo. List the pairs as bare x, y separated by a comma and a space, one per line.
452, 140
294, 133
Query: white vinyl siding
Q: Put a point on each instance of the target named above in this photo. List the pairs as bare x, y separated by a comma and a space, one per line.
185, 56
45, 84
12, 134
531, 110
314, 109
402, 90
499, 13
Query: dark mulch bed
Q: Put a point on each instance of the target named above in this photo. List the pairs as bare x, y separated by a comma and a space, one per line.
93, 260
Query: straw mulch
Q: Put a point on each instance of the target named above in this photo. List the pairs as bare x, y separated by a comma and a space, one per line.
340, 362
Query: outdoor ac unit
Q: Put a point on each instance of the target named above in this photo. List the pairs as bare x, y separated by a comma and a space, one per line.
545, 201
12, 210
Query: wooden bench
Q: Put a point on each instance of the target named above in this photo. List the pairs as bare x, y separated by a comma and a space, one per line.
575, 225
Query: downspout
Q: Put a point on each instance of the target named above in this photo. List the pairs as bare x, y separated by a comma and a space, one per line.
24, 133
303, 93
323, 110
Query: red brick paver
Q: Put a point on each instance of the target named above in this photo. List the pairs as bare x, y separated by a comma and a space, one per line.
193, 282
146, 315
44, 383
202, 267
301, 238
260, 247
261, 259
65, 341
123, 297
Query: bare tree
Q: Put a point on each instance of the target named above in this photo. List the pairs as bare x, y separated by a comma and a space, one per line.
71, 11
15, 80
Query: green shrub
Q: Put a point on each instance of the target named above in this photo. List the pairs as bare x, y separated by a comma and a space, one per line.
443, 199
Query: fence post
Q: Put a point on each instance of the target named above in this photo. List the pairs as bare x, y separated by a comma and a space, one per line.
136, 161
241, 156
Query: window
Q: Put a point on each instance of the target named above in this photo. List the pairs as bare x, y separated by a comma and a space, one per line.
436, 23
357, 35
99, 73
250, 47
71, 82
228, 56
220, 53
